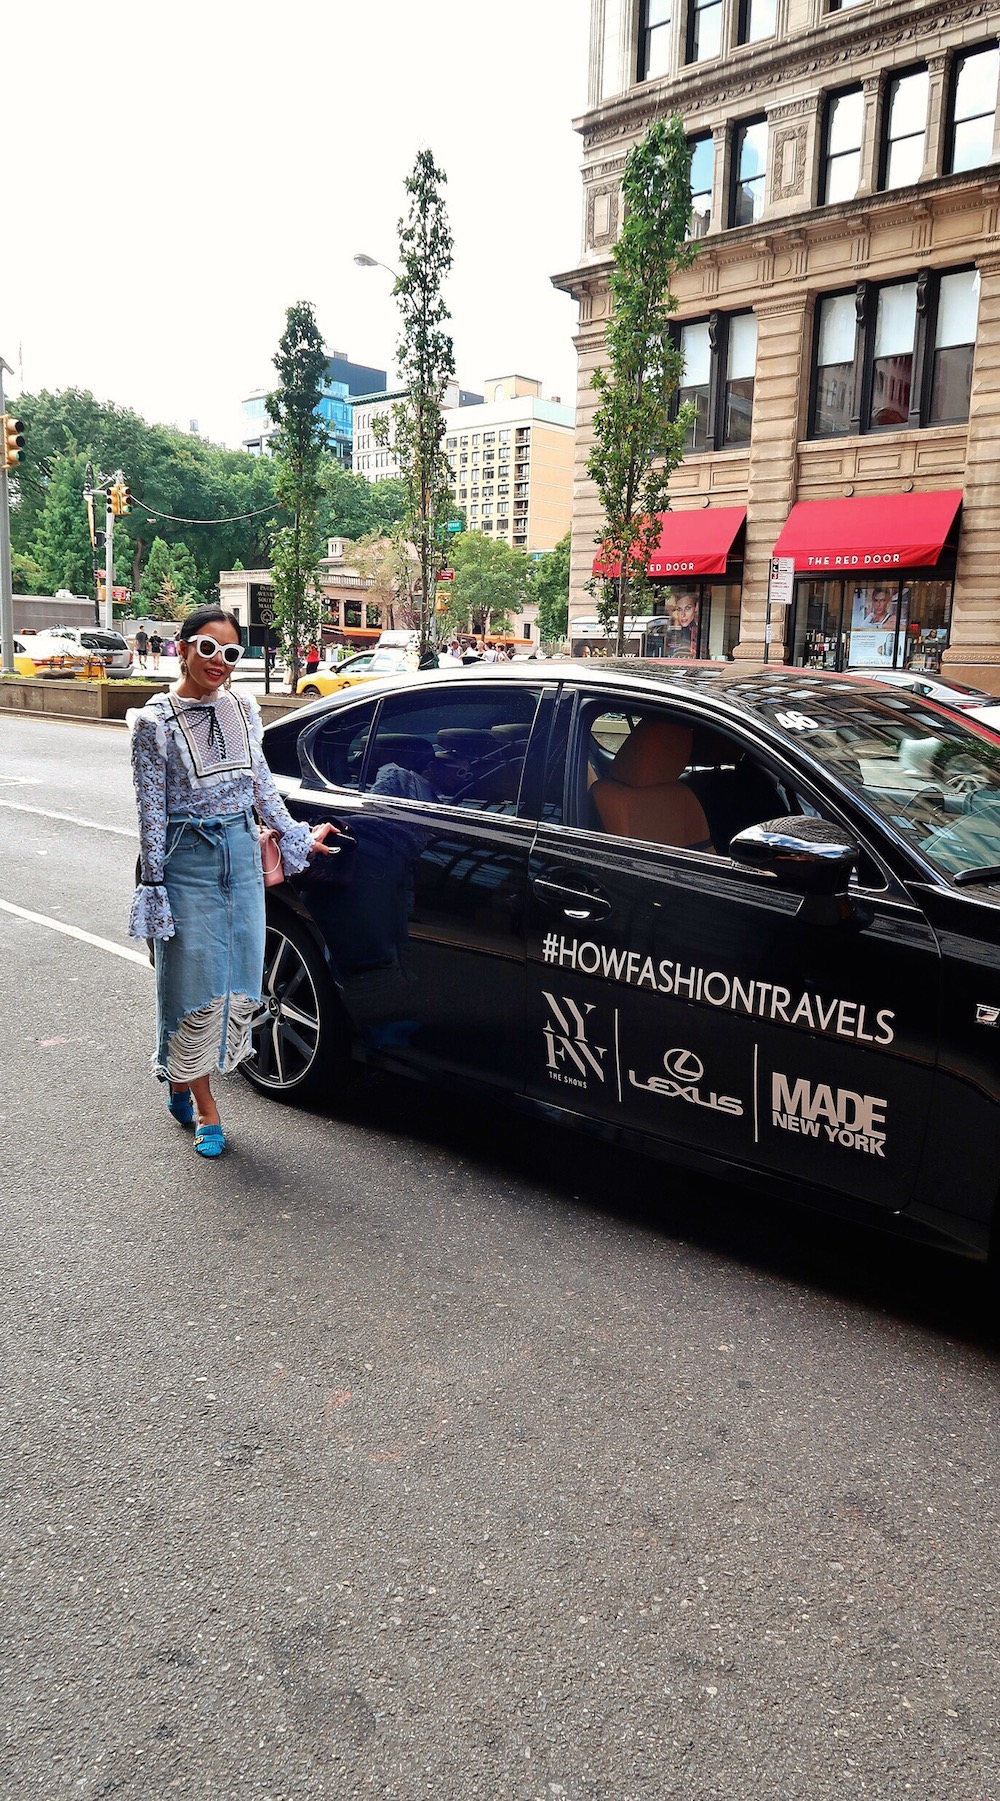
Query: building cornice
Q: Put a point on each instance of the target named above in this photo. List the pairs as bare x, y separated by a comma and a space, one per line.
749, 70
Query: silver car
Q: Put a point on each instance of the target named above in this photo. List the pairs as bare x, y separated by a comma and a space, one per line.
97, 641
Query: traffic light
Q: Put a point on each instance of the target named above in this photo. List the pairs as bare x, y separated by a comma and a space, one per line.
13, 441
124, 497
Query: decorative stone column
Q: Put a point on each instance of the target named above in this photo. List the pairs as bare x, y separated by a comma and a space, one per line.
783, 328
871, 134
934, 142
974, 650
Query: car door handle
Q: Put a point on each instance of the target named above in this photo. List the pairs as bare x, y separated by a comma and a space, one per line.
575, 903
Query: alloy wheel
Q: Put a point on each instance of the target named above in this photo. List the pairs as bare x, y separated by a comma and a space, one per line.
285, 1032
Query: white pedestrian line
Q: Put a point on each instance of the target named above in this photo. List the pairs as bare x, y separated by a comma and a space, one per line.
92, 825
59, 925
23, 781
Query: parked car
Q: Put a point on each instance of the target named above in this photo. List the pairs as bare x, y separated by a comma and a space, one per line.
750, 921
980, 706
41, 653
97, 642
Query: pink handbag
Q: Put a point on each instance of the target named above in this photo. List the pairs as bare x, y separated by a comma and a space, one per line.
271, 865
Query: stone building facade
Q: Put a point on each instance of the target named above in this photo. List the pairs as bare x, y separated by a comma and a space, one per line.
840, 323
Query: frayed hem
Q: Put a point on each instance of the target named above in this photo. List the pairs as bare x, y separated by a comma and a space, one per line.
214, 1040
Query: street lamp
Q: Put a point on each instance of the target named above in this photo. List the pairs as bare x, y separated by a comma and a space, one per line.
372, 262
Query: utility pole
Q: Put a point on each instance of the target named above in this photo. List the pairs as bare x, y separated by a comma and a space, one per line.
109, 561
7, 666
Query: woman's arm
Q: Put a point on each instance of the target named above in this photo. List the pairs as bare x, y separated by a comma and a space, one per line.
150, 915
296, 841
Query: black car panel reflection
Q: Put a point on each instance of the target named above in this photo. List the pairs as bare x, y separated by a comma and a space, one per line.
750, 920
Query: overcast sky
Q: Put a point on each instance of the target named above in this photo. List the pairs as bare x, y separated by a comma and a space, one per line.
186, 171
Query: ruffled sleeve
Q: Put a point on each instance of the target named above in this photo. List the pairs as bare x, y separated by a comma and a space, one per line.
295, 840
150, 915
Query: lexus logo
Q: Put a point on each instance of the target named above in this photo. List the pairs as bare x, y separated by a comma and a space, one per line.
684, 1066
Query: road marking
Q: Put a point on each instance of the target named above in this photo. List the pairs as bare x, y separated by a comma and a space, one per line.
59, 925
23, 781
92, 825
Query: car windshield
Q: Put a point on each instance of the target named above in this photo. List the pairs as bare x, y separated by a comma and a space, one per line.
931, 778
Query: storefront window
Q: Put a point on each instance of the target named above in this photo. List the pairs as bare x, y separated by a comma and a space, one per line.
697, 619
872, 623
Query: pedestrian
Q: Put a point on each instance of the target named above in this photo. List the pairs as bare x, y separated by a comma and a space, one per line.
312, 657
155, 649
455, 651
490, 654
199, 772
141, 645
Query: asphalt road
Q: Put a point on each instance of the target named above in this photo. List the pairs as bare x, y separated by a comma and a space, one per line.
415, 1452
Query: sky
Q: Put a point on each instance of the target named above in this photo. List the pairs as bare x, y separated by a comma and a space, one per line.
187, 171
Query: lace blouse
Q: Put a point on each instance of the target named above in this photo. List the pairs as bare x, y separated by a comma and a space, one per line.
200, 760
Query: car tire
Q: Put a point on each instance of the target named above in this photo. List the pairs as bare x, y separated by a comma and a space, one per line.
312, 693
300, 1040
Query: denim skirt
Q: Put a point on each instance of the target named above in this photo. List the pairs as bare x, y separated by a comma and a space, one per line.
209, 974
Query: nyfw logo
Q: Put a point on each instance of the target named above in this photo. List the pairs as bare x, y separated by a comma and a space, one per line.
838, 1115
570, 1055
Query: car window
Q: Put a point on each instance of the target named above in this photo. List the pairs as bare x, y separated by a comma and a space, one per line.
465, 747
334, 752
648, 774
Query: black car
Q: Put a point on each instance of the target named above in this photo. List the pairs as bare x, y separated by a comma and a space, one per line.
751, 920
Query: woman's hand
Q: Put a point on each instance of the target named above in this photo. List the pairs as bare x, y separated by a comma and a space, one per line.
319, 834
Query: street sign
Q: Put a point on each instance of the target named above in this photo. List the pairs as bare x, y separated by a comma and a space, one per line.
446, 575
454, 525
781, 581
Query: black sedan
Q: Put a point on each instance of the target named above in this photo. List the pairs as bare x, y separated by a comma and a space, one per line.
749, 920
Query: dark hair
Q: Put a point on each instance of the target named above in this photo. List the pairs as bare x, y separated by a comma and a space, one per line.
202, 616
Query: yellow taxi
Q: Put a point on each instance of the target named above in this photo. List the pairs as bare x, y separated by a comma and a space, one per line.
367, 666
39, 653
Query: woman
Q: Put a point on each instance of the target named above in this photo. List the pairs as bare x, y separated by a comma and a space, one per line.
199, 772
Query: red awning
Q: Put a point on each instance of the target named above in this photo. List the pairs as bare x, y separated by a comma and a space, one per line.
881, 531
691, 543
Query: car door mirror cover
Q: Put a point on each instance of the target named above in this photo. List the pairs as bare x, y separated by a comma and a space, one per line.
806, 855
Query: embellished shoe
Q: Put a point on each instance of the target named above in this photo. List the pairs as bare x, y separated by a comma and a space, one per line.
181, 1106
209, 1141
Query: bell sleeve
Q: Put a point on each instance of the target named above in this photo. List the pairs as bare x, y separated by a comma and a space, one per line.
294, 840
150, 915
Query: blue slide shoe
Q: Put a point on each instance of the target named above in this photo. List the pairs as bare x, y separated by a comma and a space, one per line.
210, 1141
181, 1106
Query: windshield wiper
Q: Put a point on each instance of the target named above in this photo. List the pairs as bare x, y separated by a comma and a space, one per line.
990, 872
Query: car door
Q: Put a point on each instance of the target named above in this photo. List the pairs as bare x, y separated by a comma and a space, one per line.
676, 994
425, 920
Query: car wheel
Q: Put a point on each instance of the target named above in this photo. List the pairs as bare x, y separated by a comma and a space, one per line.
312, 693
299, 1039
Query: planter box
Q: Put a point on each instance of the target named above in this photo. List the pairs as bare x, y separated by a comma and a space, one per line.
74, 699
275, 706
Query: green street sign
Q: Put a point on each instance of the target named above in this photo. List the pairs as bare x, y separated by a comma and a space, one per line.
454, 525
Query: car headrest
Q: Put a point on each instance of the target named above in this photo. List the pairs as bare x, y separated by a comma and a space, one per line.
655, 752
710, 749
404, 748
465, 741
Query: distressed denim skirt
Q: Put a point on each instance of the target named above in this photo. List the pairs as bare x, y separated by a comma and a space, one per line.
209, 974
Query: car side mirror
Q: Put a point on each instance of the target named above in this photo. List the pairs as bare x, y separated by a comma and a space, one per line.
806, 856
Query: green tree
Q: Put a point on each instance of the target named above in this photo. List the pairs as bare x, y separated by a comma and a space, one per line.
157, 579
550, 585
636, 443
492, 582
389, 563
426, 360
298, 449
61, 544
354, 508
26, 574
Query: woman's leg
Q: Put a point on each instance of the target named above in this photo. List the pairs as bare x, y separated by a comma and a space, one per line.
204, 1101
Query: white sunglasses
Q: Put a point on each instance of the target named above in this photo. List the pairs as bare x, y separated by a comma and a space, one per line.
207, 647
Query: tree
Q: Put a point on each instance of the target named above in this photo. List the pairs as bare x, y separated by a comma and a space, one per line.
354, 508
389, 562
636, 443
492, 582
158, 585
550, 585
298, 446
426, 360
61, 545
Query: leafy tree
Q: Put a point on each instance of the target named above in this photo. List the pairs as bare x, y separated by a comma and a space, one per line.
298, 446
426, 360
390, 563
492, 582
26, 574
157, 577
550, 583
636, 443
61, 544
354, 508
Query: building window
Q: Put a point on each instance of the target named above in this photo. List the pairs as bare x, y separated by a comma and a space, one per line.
749, 172
704, 30
702, 150
972, 110
841, 170
741, 364
757, 20
905, 130
720, 357
654, 39
896, 355
836, 337
954, 347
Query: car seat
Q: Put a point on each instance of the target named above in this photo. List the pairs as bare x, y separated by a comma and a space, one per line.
642, 795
